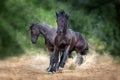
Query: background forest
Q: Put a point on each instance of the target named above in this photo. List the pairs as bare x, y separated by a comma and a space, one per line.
97, 20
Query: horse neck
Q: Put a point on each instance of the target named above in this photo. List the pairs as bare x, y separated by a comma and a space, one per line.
63, 34
44, 30
66, 28
65, 31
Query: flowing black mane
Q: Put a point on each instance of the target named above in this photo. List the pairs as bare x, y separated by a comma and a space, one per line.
62, 22
62, 13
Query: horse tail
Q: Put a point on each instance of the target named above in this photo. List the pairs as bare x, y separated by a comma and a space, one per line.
86, 47
85, 51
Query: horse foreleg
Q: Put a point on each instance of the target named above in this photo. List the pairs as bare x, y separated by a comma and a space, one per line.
50, 70
49, 61
56, 61
53, 60
61, 57
64, 57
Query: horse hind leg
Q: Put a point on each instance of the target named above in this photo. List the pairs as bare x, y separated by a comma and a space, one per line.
48, 68
79, 59
59, 69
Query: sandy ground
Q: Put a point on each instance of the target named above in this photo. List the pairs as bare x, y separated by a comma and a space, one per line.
95, 67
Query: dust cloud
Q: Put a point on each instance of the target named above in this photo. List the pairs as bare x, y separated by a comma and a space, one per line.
33, 67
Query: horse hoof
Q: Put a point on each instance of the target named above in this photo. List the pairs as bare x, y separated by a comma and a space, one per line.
54, 72
50, 72
60, 68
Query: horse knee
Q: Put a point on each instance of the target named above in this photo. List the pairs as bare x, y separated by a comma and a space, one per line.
54, 60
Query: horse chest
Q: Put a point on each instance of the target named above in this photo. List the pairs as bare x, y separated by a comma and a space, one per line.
61, 42
49, 45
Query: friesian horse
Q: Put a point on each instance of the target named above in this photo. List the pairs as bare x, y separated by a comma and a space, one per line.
66, 40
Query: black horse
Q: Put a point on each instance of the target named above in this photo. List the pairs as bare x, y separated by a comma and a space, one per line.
66, 40
48, 33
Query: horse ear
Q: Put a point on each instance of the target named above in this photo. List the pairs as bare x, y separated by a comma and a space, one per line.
56, 14
62, 12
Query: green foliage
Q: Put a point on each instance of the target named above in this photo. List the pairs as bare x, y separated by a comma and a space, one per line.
95, 19
8, 42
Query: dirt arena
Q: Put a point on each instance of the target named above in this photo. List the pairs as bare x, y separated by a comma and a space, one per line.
95, 67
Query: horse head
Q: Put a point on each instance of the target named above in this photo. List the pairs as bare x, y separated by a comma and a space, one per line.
62, 22
34, 33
